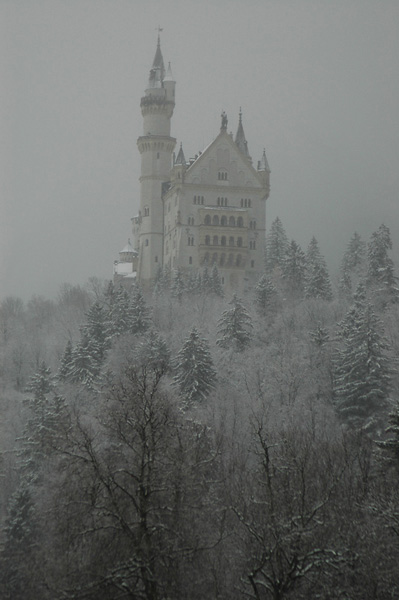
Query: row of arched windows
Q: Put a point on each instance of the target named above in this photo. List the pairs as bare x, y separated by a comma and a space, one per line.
222, 175
223, 241
227, 260
224, 221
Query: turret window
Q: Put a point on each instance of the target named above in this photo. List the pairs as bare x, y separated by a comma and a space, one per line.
146, 211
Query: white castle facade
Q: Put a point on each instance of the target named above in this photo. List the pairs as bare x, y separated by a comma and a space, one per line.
207, 211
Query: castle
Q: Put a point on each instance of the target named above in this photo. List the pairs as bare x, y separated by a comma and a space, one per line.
210, 210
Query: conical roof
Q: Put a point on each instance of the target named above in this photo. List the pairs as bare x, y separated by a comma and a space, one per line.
169, 74
240, 138
263, 165
157, 72
127, 248
180, 159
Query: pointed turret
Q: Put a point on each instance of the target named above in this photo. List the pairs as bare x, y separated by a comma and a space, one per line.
263, 165
240, 138
157, 72
180, 159
169, 74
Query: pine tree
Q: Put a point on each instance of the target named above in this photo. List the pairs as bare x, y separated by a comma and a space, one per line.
139, 320
178, 287
294, 270
234, 327
64, 371
317, 280
205, 281
119, 317
154, 353
216, 286
380, 266
265, 296
353, 263
362, 369
195, 375
276, 246
391, 444
97, 329
85, 367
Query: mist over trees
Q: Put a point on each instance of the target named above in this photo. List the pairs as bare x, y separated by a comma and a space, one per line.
182, 444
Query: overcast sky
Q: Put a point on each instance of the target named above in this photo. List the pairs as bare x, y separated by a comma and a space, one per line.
317, 82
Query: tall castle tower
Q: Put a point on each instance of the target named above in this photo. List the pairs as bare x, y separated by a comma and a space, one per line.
209, 211
156, 148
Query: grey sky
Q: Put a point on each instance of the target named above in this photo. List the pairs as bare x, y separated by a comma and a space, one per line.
318, 85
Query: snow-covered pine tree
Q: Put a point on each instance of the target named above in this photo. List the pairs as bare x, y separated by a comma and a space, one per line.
154, 353
139, 319
317, 280
97, 329
235, 326
119, 317
294, 270
178, 287
64, 371
195, 375
85, 366
205, 281
381, 275
353, 262
216, 286
362, 379
266, 296
276, 246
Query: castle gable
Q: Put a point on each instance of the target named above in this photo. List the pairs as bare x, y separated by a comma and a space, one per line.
222, 163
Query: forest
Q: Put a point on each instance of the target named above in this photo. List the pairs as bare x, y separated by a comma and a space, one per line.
179, 444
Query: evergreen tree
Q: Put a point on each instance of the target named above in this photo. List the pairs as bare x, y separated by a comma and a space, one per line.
154, 353
97, 329
265, 296
362, 370
216, 286
205, 282
194, 373
85, 367
139, 319
294, 270
235, 326
119, 317
276, 246
353, 261
317, 281
178, 287
380, 266
391, 444
64, 371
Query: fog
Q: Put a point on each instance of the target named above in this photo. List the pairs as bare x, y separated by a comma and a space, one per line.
318, 86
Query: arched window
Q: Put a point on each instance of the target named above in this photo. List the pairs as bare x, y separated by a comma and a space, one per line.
223, 220
222, 259
240, 222
223, 240
146, 211
215, 220
215, 240
218, 201
222, 175
232, 222
238, 260
231, 241
239, 242
214, 258
207, 240
207, 220
230, 261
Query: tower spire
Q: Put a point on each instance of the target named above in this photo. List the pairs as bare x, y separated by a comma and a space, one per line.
157, 72
240, 137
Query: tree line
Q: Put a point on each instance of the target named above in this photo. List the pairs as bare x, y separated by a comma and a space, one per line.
181, 444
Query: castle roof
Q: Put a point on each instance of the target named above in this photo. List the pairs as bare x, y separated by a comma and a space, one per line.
157, 72
240, 139
180, 159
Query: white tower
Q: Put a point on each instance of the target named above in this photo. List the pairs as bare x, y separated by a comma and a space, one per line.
156, 149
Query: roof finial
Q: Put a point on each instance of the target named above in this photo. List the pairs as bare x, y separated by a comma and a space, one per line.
224, 121
240, 115
159, 29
